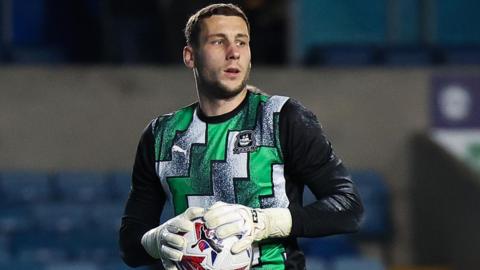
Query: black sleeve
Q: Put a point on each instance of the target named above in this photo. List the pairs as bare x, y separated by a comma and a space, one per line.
310, 160
144, 204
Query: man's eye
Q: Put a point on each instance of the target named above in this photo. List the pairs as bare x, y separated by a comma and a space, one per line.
217, 42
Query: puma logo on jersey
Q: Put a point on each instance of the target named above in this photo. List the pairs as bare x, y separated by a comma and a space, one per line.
177, 148
244, 142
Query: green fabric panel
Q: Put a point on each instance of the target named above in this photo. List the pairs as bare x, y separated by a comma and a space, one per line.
178, 122
272, 257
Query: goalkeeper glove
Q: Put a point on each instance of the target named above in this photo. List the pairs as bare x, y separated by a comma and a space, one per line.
164, 243
256, 224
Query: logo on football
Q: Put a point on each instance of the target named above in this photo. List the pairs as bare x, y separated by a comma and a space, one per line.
204, 251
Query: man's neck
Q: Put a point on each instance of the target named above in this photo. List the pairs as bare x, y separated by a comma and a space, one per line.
215, 107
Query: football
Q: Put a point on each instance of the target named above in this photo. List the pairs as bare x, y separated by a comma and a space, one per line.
205, 251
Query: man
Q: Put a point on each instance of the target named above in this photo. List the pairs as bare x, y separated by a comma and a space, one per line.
237, 156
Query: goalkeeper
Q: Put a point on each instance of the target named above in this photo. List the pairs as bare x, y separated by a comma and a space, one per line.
235, 156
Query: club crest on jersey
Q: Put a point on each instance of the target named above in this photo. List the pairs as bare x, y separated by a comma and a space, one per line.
244, 142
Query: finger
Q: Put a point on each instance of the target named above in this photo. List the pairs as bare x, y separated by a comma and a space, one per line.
180, 224
219, 209
173, 240
241, 245
218, 219
194, 212
229, 229
171, 253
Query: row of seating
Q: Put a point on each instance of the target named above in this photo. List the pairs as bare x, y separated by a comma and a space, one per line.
46, 221
108, 192
341, 263
364, 55
23, 187
60, 218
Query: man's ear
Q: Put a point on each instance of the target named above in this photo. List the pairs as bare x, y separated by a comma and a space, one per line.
188, 57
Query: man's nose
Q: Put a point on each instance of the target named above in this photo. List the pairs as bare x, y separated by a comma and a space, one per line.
233, 52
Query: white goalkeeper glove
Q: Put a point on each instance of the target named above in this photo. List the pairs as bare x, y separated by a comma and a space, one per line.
257, 224
164, 243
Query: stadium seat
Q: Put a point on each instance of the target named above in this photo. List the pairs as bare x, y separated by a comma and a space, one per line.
462, 55
38, 246
119, 265
4, 248
377, 224
107, 216
37, 55
330, 23
120, 184
341, 55
92, 244
82, 187
315, 263
15, 219
21, 265
28, 21
25, 187
356, 263
408, 56
330, 247
73, 265
61, 217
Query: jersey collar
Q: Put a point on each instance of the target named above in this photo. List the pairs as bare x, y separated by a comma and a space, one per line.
223, 117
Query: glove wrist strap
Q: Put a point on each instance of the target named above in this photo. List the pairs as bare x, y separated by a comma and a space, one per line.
278, 222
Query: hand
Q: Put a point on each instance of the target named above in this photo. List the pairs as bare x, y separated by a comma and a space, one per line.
256, 224
164, 243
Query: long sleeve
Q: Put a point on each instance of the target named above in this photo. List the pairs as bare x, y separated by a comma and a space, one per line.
310, 160
144, 204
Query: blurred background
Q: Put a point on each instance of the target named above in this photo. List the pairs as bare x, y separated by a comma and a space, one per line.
395, 83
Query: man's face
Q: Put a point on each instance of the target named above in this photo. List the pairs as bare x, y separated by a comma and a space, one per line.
222, 59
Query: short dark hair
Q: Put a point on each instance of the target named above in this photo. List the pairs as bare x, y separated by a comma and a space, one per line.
193, 27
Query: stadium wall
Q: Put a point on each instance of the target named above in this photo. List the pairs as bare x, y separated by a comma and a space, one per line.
90, 118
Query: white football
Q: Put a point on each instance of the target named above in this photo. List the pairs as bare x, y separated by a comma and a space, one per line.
205, 251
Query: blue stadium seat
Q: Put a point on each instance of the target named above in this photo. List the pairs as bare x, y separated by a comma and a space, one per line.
315, 263
462, 55
408, 56
21, 265
5, 252
377, 223
35, 55
115, 265
119, 265
92, 244
82, 187
39, 247
107, 216
25, 187
341, 55
28, 23
356, 263
327, 248
456, 23
15, 219
121, 182
327, 22
72, 265
61, 217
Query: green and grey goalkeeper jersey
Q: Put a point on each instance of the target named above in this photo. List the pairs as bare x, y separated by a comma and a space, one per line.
261, 155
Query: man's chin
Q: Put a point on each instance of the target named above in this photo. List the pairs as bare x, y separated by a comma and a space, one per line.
232, 91
224, 91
